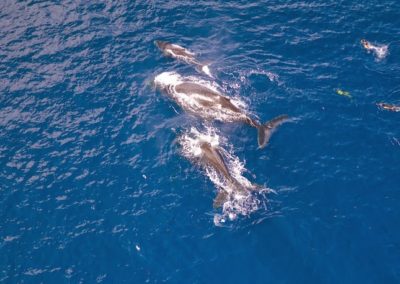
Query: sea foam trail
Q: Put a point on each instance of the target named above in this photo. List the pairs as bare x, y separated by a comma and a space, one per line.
238, 203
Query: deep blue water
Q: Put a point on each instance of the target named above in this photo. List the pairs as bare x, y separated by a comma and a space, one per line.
92, 184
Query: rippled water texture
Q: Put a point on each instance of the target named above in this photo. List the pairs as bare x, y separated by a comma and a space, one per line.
93, 186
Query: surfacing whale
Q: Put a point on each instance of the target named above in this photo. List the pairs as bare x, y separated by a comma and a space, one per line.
389, 107
235, 193
181, 53
211, 156
208, 103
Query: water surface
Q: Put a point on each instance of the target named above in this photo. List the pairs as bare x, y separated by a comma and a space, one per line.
93, 187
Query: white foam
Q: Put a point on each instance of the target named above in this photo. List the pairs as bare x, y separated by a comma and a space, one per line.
238, 203
191, 141
207, 71
273, 77
380, 50
167, 79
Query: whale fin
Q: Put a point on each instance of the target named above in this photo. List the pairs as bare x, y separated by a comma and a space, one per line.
265, 131
221, 198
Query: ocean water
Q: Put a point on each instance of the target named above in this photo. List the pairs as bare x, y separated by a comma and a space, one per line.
94, 184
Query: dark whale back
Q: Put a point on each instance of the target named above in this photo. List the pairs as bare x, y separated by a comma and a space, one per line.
193, 88
177, 50
213, 157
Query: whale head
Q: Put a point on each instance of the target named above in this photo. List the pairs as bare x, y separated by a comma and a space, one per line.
165, 79
161, 44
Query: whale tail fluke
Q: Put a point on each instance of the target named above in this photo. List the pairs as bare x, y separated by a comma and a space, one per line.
265, 130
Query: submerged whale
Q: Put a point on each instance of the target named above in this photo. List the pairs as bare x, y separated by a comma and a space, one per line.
204, 101
181, 53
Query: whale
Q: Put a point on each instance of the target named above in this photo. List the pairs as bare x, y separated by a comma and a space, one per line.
389, 107
211, 157
180, 53
205, 101
234, 192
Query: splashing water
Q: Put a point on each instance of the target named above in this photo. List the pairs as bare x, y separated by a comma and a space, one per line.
270, 75
207, 71
238, 203
380, 50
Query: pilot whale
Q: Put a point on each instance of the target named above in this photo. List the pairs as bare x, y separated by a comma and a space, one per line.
211, 156
181, 53
208, 103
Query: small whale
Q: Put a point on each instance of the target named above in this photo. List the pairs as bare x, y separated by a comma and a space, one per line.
389, 107
208, 103
181, 53
212, 157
